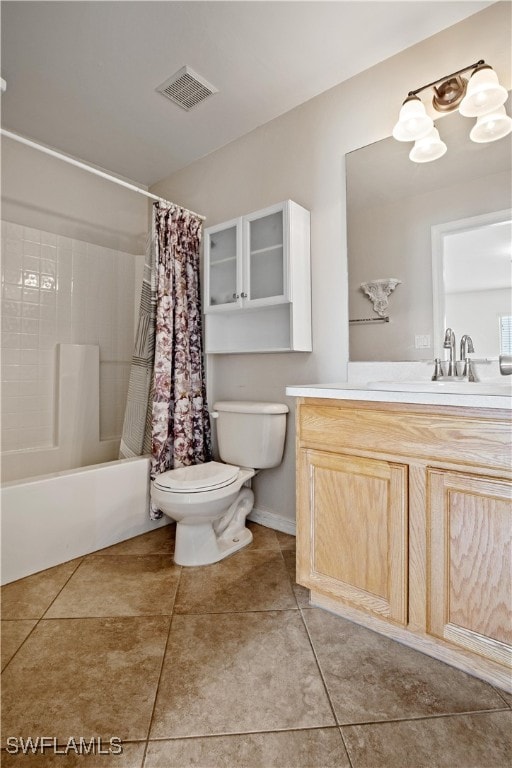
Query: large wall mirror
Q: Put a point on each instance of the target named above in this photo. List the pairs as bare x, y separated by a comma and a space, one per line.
443, 229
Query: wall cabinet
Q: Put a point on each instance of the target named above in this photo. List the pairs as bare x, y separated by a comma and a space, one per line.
404, 523
257, 286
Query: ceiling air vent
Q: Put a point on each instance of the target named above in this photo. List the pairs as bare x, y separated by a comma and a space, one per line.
186, 88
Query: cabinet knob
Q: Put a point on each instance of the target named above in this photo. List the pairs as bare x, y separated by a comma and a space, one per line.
244, 295
236, 296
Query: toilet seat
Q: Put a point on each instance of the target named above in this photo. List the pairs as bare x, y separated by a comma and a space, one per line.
197, 478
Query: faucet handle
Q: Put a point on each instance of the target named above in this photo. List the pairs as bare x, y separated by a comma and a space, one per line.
469, 371
438, 369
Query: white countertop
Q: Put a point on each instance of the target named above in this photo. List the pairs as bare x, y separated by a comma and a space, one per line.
473, 395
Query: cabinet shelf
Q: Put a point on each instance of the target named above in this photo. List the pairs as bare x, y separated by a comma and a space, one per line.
222, 261
268, 249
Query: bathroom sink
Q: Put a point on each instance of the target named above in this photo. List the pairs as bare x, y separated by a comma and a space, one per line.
450, 387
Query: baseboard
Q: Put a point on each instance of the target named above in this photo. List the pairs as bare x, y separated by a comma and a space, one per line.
271, 520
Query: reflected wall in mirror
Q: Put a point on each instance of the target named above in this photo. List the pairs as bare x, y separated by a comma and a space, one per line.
394, 209
472, 281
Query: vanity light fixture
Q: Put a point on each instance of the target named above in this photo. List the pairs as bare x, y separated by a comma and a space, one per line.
482, 97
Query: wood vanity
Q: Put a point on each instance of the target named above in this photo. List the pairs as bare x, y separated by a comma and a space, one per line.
404, 521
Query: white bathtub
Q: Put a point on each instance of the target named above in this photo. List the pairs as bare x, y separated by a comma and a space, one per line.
54, 518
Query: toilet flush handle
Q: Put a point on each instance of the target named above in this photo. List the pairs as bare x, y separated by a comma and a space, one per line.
214, 414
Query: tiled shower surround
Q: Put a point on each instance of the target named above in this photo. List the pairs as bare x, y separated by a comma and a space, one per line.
59, 290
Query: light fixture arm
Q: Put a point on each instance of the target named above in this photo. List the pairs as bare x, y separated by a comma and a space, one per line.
480, 63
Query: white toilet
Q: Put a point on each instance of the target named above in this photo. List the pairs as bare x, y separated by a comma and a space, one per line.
208, 501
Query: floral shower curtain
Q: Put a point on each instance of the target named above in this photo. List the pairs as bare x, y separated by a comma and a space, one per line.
174, 420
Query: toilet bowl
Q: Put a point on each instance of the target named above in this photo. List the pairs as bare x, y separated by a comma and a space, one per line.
210, 502
199, 498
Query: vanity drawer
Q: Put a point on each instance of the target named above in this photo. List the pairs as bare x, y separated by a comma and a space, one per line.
477, 437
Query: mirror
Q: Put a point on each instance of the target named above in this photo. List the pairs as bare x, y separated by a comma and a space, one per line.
424, 224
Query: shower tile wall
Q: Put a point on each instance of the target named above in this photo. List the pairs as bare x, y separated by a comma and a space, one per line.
55, 289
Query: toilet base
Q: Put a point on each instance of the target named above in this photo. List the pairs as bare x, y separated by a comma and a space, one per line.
198, 544
209, 542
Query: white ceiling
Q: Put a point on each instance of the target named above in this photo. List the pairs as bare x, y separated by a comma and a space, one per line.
81, 76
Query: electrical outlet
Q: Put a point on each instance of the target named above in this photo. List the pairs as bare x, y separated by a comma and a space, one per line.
422, 341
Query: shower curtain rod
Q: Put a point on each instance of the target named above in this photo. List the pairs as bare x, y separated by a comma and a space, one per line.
91, 169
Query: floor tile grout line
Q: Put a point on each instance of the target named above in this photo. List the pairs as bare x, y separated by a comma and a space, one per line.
342, 737
421, 718
63, 586
23, 642
98, 554
325, 686
40, 618
242, 610
160, 673
244, 733
500, 694
292, 580
105, 616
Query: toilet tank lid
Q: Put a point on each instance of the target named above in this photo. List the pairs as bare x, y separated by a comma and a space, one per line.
249, 406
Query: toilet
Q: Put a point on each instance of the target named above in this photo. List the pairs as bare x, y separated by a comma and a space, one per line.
210, 502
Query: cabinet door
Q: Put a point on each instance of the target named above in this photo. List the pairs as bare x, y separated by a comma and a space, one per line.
222, 256
469, 563
265, 257
352, 531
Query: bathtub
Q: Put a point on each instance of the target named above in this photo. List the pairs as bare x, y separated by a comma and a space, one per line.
54, 518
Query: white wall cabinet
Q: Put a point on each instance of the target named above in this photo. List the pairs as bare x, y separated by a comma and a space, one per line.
257, 285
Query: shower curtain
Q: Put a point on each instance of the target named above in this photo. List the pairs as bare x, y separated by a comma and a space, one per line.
166, 412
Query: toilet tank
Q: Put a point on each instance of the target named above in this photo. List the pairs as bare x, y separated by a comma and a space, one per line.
250, 434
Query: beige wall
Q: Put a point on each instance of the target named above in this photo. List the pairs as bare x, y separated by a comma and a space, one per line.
44, 193
300, 155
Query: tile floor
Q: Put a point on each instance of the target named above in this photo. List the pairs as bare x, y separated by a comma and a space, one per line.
225, 666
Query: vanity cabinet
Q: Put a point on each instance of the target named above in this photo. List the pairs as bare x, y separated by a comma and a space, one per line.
469, 553
358, 528
404, 524
257, 289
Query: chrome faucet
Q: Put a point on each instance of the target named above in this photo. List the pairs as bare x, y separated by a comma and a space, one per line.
448, 369
466, 346
449, 343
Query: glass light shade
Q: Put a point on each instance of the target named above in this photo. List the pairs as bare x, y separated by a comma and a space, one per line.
413, 121
428, 148
491, 127
484, 94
